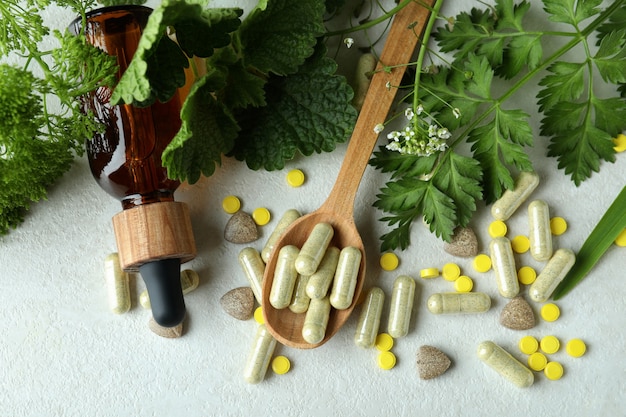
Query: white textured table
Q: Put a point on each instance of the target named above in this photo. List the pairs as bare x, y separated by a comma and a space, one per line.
62, 353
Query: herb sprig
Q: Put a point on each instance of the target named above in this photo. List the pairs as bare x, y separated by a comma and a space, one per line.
489, 45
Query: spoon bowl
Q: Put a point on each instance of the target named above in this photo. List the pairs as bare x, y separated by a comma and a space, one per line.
338, 209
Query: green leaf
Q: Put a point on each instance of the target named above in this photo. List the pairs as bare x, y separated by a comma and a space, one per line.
572, 12
307, 112
612, 223
522, 51
566, 82
610, 114
158, 66
510, 15
611, 57
481, 76
468, 33
208, 131
279, 35
402, 164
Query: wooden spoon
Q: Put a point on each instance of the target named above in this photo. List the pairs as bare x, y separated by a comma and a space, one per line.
338, 209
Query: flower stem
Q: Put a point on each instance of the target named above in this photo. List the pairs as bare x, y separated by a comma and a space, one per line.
422, 52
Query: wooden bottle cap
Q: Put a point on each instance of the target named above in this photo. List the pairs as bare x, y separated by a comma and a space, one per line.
154, 231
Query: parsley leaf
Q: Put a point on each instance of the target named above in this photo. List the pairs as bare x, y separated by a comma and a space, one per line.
572, 12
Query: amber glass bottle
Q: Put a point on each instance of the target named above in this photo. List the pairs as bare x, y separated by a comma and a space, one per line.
153, 232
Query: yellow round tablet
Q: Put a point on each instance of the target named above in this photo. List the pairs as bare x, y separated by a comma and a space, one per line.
261, 216
526, 275
386, 360
620, 143
281, 365
463, 284
295, 178
497, 228
520, 244
553, 370
528, 345
550, 344
450, 271
384, 342
482, 263
428, 273
621, 239
550, 312
558, 226
258, 315
389, 261
576, 348
537, 361
231, 204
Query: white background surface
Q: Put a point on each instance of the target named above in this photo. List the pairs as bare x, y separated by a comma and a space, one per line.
62, 353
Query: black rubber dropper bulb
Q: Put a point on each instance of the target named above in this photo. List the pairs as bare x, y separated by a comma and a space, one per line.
162, 279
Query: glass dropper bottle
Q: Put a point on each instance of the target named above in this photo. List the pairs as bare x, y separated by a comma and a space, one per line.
153, 232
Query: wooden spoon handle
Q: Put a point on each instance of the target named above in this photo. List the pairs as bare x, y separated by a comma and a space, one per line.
406, 30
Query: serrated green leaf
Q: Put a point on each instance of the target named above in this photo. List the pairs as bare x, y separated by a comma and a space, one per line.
309, 112
402, 164
401, 195
609, 114
481, 76
279, 35
510, 14
522, 51
565, 82
611, 57
439, 212
469, 31
208, 131
563, 117
572, 12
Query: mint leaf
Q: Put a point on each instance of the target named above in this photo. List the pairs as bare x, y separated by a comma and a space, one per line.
208, 131
278, 35
308, 112
158, 66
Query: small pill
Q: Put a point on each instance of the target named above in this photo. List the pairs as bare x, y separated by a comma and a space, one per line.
576, 348
550, 312
497, 228
520, 244
550, 344
429, 273
261, 216
285, 276
510, 200
386, 360
537, 361
528, 345
482, 263
526, 275
558, 226
463, 284
551, 275
281, 365
402, 298
553, 371
458, 302
289, 217
384, 342
621, 239
295, 178
319, 283
389, 261
346, 276
300, 300
539, 233
505, 364
259, 356
258, 315
314, 248
117, 284
369, 319
316, 320
254, 268
231, 204
189, 281
504, 267
620, 143
450, 272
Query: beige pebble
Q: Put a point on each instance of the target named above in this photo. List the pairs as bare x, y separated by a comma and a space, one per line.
517, 315
167, 332
463, 243
431, 362
239, 303
241, 228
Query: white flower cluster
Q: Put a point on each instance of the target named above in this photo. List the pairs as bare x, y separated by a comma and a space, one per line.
419, 137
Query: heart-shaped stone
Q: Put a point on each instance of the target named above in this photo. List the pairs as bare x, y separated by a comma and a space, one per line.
241, 228
239, 303
463, 243
431, 362
517, 315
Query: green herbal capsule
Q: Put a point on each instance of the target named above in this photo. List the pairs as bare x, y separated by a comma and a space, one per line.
510, 200
344, 282
539, 233
458, 302
552, 274
505, 364
300, 300
285, 276
259, 356
503, 264
314, 248
117, 284
254, 268
319, 283
402, 297
369, 320
289, 217
316, 320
